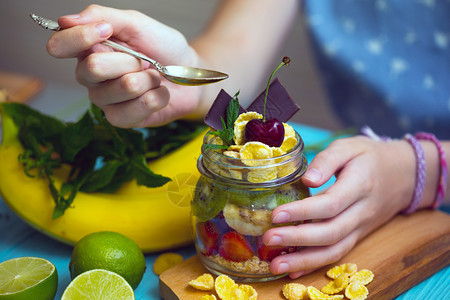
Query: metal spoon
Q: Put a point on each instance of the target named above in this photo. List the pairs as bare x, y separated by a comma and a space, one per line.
177, 74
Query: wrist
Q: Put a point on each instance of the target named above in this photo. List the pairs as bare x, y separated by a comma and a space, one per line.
430, 169
405, 160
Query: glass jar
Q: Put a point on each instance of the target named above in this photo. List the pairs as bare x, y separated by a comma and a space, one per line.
232, 206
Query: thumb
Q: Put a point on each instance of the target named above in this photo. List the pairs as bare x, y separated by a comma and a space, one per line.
138, 31
329, 162
92, 14
125, 23
91, 26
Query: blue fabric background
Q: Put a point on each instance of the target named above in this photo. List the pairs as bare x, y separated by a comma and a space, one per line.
384, 63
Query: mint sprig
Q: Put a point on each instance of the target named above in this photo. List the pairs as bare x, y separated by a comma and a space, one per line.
101, 157
226, 134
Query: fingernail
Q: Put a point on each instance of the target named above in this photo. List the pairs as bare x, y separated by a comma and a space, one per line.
313, 175
283, 268
71, 17
275, 240
282, 217
104, 29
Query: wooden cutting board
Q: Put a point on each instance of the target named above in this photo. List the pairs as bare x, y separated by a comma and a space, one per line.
401, 254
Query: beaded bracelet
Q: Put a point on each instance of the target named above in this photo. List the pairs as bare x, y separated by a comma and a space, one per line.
420, 174
420, 166
440, 193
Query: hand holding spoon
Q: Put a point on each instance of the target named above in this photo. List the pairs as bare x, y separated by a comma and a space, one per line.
176, 74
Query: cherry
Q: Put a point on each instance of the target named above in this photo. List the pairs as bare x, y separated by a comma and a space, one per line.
270, 132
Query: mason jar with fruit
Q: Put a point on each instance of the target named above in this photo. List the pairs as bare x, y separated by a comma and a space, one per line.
249, 165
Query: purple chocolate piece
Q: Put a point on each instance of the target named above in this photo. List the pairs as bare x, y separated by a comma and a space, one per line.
219, 109
279, 104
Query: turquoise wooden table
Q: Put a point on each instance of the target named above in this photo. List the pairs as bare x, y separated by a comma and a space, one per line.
19, 239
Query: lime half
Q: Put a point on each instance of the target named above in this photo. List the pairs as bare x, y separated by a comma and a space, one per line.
28, 278
100, 285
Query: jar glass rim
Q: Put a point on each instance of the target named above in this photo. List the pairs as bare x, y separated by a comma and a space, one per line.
213, 163
261, 163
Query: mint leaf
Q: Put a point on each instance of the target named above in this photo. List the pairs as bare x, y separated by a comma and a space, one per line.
63, 203
35, 128
144, 175
123, 174
98, 179
162, 140
233, 111
214, 146
65, 196
24, 115
227, 132
76, 136
118, 143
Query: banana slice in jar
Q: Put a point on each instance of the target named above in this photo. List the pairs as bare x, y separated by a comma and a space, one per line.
247, 221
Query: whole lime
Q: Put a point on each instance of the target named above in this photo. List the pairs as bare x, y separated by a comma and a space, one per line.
110, 251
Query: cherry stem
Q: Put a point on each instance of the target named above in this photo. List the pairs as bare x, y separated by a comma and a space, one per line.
285, 61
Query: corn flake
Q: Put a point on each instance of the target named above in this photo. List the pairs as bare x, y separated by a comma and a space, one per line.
288, 130
356, 290
294, 291
263, 175
288, 143
337, 285
364, 276
235, 174
315, 294
247, 116
208, 297
286, 169
219, 170
245, 292
165, 261
233, 154
204, 282
216, 141
252, 151
277, 151
239, 133
348, 269
235, 148
225, 287
240, 123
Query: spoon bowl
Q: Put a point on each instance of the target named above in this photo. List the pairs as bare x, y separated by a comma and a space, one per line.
192, 76
176, 74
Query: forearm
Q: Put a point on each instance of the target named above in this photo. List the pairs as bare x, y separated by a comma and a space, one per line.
242, 40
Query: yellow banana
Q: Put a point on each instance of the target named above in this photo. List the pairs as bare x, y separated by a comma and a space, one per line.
155, 218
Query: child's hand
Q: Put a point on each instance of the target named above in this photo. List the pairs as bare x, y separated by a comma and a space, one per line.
374, 181
130, 92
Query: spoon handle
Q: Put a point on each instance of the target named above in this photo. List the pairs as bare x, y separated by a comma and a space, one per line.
127, 50
54, 26
45, 23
